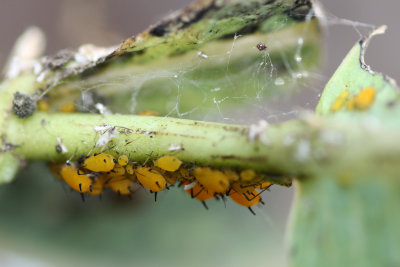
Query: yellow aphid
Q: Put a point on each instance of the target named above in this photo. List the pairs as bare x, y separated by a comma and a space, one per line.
213, 181
172, 178
118, 170
198, 192
56, 169
98, 185
365, 98
43, 105
245, 199
129, 169
232, 175
185, 174
123, 160
79, 182
99, 163
148, 113
168, 163
243, 189
339, 101
264, 185
247, 175
68, 107
151, 179
121, 185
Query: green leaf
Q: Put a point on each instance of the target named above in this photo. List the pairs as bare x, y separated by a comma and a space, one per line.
352, 76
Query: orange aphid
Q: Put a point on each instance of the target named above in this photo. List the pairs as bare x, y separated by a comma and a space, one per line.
121, 185
148, 113
246, 199
99, 163
264, 185
68, 107
123, 160
118, 170
247, 175
185, 174
151, 179
339, 101
214, 181
243, 189
232, 175
168, 163
43, 105
79, 182
365, 98
98, 185
198, 192
129, 169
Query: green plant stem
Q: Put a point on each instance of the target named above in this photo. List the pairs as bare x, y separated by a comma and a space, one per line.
300, 148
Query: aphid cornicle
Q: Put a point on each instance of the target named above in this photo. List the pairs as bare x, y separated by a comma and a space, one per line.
151, 179
99, 163
168, 163
79, 182
213, 181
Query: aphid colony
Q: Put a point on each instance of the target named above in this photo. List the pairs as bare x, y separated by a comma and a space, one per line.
93, 174
362, 101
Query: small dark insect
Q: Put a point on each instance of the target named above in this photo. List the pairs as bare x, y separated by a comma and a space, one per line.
23, 105
58, 149
261, 46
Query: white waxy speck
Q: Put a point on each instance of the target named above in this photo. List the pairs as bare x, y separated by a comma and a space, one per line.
279, 81
215, 89
303, 150
331, 137
202, 55
189, 186
62, 146
257, 132
173, 147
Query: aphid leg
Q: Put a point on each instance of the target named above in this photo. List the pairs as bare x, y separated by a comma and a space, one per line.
229, 190
80, 187
198, 193
224, 200
83, 197
155, 196
204, 204
262, 191
252, 211
90, 188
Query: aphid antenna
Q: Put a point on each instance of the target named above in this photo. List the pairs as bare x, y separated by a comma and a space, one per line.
148, 158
